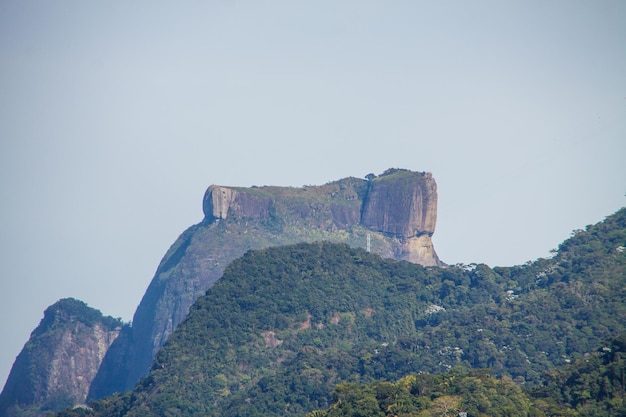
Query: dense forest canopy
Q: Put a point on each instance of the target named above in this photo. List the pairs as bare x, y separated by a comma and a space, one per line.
286, 325
593, 386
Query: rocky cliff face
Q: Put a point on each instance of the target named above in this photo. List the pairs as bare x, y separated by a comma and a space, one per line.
57, 365
399, 203
219, 201
397, 210
403, 205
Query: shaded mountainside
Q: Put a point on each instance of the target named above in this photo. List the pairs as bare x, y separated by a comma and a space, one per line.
285, 325
58, 363
397, 210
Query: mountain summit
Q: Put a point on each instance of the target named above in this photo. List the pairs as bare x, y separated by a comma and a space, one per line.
400, 205
393, 215
59, 361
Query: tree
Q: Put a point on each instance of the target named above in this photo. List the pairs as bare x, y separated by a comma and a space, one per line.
447, 405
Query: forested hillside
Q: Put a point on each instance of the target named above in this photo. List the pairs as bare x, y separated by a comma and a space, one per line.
285, 325
593, 386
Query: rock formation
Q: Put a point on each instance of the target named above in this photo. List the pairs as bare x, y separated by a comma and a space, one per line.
219, 201
57, 365
394, 214
403, 205
397, 210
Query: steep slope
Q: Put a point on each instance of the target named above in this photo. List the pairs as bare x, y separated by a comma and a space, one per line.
58, 363
284, 325
398, 206
395, 211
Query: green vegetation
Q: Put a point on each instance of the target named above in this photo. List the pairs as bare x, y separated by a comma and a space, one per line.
593, 386
393, 174
286, 325
71, 309
474, 392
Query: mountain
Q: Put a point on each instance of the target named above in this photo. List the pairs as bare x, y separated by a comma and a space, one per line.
284, 325
395, 212
55, 368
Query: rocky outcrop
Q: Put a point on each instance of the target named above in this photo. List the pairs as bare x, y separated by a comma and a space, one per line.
419, 250
220, 201
397, 210
402, 204
399, 203
57, 365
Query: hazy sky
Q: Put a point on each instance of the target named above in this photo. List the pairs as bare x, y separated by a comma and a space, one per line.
115, 117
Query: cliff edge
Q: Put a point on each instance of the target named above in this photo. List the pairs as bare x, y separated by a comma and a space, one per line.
399, 204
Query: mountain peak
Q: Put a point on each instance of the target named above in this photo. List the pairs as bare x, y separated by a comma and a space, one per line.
400, 204
60, 360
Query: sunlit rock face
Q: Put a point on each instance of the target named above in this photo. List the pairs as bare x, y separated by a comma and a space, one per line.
402, 204
219, 201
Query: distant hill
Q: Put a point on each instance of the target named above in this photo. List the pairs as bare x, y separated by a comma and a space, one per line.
55, 368
285, 325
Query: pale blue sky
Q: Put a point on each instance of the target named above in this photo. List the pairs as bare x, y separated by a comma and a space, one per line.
115, 116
